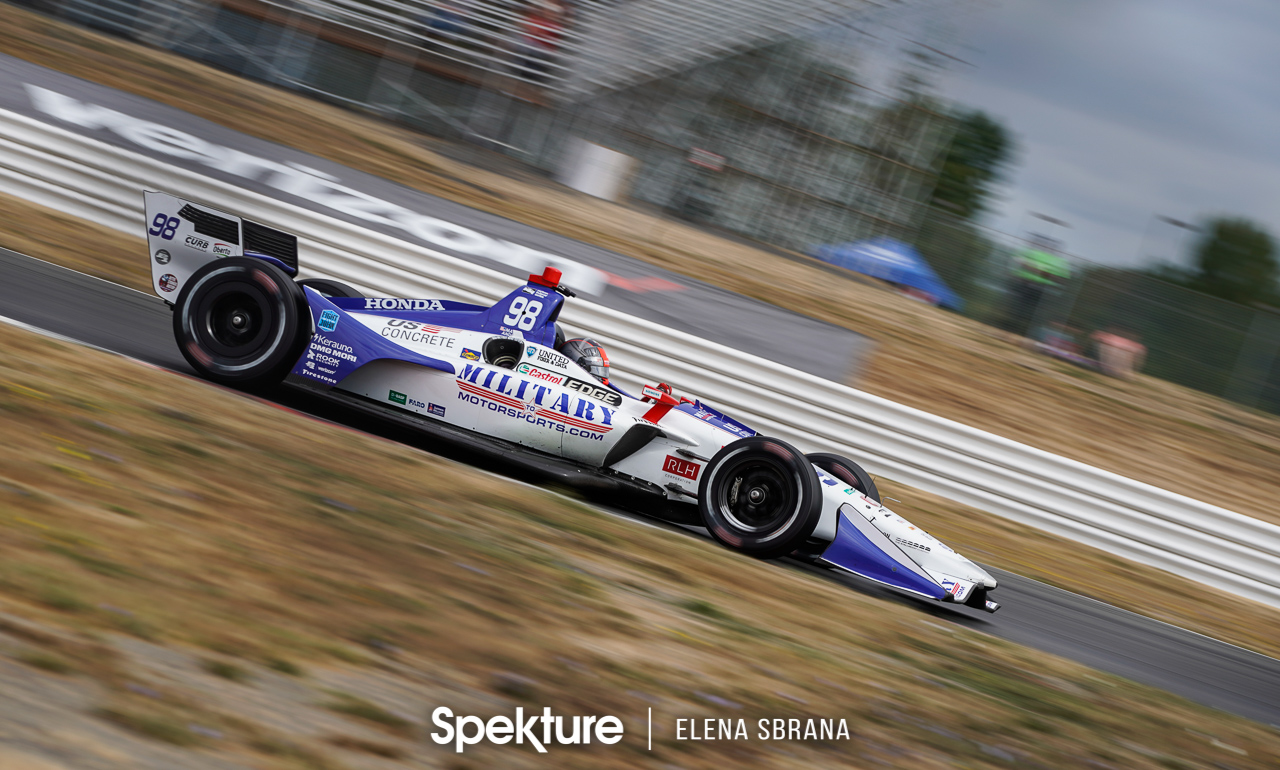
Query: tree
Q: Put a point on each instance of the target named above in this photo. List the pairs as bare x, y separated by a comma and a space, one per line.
980, 150
1236, 260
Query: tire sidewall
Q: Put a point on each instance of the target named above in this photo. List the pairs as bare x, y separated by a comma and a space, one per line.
827, 461
287, 324
803, 515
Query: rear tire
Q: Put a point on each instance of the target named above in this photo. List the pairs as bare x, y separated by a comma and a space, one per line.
847, 471
241, 321
760, 496
327, 287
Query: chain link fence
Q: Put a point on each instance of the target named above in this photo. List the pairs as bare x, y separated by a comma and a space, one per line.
1191, 338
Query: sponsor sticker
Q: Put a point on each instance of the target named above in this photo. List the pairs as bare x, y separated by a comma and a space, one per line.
163, 257
328, 321
222, 249
197, 243
549, 357
388, 303
398, 398
529, 350
322, 343
319, 376
168, 282
512, 395
958, 590
410, 333
315, 355
470, 354
681, 467
610, 397
541, 374
436, 409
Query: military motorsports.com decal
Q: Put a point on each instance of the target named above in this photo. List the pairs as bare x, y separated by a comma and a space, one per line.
535, 403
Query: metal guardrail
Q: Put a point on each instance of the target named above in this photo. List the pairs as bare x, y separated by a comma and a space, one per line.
1203, 542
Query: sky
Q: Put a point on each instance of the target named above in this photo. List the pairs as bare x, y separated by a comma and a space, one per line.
1124, 111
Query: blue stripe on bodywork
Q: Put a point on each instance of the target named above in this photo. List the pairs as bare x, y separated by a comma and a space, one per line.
864, 550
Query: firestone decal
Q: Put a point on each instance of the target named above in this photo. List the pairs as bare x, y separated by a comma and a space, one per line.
323, 378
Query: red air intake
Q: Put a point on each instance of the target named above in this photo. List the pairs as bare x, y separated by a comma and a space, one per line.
549, 278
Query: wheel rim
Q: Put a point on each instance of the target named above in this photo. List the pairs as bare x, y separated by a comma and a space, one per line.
235, 321
758, 495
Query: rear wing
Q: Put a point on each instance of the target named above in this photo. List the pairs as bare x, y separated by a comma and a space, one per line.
183, 236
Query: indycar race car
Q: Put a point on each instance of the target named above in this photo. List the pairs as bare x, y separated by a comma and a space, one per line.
502, 380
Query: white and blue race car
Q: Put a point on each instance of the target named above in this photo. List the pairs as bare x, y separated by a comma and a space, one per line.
496, 379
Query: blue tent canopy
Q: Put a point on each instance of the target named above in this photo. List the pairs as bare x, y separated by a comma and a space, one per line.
892, 261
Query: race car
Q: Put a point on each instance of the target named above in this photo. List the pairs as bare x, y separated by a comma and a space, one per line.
503, 380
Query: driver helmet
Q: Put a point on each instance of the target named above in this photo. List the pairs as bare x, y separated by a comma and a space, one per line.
589, 355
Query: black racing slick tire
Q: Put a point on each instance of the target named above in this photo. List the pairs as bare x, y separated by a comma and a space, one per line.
760, 496
847, 471
241, 322
328, 287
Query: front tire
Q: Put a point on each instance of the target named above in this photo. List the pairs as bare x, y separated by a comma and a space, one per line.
760, 496
241, 322
847, 471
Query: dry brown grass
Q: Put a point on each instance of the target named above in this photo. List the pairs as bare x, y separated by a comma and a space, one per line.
1005, 544
141, 502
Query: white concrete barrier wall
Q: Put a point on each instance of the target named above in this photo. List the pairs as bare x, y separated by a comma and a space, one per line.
101, 183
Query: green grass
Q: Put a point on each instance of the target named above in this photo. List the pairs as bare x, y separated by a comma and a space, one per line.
166, 729
368, 711
225, 670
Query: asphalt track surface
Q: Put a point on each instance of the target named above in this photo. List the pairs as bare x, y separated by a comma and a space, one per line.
1196, 667
137, 124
